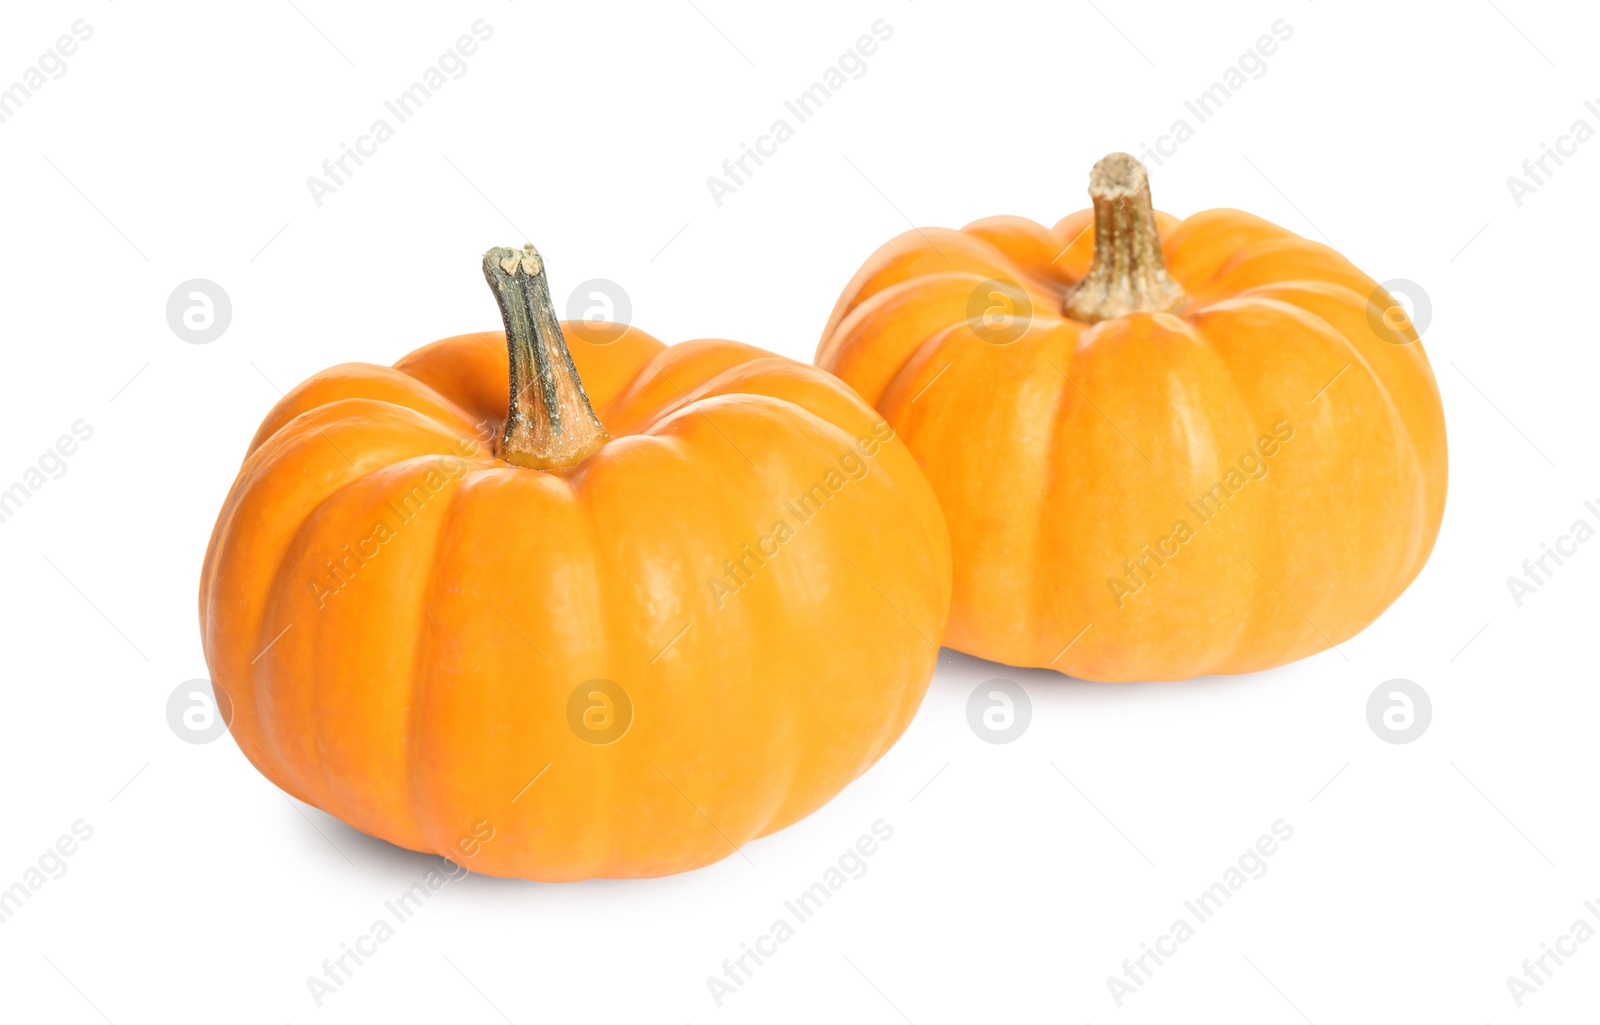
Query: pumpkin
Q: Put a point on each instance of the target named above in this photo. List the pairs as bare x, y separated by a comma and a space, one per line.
1164, 448
659, 602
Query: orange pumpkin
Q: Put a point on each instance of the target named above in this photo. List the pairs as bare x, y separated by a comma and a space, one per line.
1164, 448
685, 597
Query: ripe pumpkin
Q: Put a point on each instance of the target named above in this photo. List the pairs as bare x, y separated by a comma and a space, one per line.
671, 600
1164, 448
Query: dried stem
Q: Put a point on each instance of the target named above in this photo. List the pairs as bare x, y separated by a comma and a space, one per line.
549, 423
1127, 274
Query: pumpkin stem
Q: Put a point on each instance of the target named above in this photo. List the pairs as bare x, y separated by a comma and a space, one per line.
549, 423
1127, 274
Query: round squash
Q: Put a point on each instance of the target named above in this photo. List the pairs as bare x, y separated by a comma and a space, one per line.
660, 603
1164, 448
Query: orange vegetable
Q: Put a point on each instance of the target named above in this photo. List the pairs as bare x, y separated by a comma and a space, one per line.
1164, 448
676, 600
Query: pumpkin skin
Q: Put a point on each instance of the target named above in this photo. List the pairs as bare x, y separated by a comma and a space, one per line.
1060, 455
416, 692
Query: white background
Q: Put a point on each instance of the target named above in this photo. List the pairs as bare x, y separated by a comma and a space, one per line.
1019, 876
